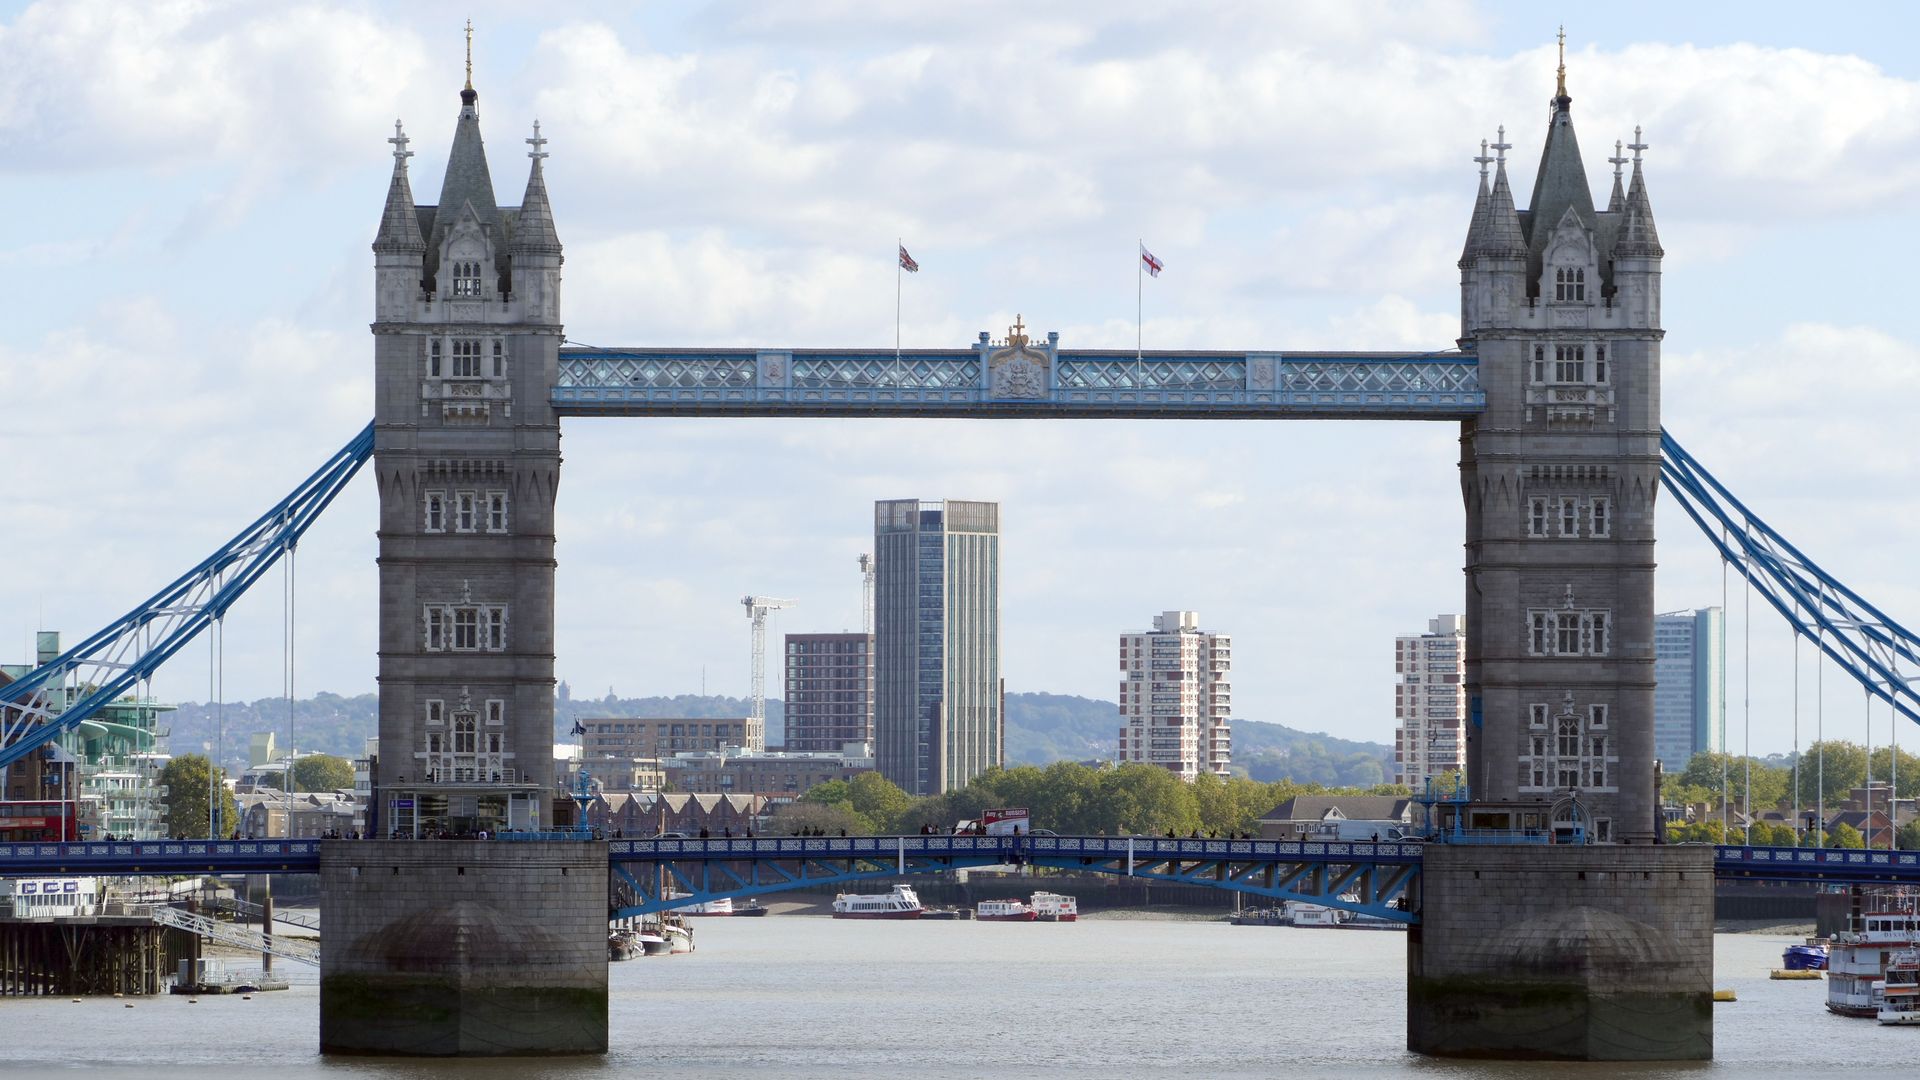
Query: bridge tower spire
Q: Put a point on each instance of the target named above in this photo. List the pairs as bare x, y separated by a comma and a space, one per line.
466, 456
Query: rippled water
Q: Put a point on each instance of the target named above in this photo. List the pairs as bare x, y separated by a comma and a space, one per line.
795, 998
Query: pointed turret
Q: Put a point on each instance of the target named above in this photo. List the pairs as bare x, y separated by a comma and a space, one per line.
1477, 224
1638, 238
1617, 201
467, 179
1562, 179
533, 231
1501, 237
400, 221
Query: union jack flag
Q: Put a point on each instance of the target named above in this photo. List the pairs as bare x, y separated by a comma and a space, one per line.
1152, 262
906, 261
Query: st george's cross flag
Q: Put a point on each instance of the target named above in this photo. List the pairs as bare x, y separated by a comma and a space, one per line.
906, 261
1150, 261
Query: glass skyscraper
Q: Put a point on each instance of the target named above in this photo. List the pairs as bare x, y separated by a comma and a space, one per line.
1689, 649
937, 716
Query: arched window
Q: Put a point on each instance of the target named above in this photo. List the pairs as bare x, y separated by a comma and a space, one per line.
466, 278
465, 733
1570, 283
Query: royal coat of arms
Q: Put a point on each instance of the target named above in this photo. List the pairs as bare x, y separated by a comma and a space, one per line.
1017, 370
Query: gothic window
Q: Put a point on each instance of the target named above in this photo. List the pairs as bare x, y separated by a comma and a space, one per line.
1597, 522
496, 511
1567, 642
1597, 633
1569, 517
1599, 363
493, 742
466, 278
1539, 363
1537, 516
496, 629
1570, 283
466, 358
464, 511
436, 511
465, 739
466, 628
1569, 363
436, 742
499, 358
1537, 718
436, 629
436, 711
496, 712
433, 358
1539, 645
1597, 717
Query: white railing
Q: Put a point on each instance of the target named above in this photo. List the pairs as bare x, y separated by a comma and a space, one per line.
306, 952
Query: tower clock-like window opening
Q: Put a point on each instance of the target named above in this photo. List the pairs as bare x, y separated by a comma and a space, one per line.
466, 278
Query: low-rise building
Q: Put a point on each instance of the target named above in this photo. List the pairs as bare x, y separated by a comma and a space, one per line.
733, 769
630, 737
1349, 817
622, 814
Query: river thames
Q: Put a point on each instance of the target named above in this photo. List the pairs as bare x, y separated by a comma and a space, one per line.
795, 998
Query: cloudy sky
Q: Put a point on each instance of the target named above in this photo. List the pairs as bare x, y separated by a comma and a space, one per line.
193, 186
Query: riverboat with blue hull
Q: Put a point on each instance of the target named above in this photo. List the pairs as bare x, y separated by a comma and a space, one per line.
1809, 957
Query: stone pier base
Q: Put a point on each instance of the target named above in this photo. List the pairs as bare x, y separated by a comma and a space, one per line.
1573, 953
455, 948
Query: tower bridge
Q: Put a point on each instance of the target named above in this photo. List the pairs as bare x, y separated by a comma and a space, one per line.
1554, 381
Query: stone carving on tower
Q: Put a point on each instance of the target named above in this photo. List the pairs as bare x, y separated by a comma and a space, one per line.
1561, 303
1017, 369
466, 458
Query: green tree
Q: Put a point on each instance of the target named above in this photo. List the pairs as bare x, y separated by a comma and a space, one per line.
186, 781
1834, 766
800, 816
1844, 835
322, 772
1908, 836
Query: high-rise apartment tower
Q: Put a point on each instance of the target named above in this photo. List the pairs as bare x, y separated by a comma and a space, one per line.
1689, 663
1176, 697
1430, 702
829, 695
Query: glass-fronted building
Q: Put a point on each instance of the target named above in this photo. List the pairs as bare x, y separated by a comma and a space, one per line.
1689, 707
937, 708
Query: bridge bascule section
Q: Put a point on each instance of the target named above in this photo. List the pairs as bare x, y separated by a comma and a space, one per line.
1554, 381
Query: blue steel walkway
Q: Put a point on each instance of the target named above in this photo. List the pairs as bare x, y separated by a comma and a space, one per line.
652, 875
1037, 378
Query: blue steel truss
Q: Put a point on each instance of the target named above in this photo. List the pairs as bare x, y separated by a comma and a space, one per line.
657, 875
961, 382
643, 872
58, 695
1879, 653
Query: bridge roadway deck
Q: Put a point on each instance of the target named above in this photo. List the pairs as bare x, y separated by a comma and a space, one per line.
1811, 865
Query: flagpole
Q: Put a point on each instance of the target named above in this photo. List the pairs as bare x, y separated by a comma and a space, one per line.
899, 245
1139, 334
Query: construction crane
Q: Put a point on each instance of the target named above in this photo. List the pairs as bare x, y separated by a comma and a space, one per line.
866, 594
757, 608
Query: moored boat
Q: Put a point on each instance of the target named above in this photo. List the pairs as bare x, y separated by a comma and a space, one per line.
1055, 907
1014, 910
1809, 957
901, 903
1900, 990
1857, 960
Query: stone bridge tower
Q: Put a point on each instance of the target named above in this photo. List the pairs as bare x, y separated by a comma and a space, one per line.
467, 458
1562, 304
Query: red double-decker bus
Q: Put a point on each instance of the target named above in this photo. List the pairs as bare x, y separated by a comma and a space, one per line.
37, 820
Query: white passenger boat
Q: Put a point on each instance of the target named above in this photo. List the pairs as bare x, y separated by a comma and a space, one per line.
1054, 907
1015, 910
1900, 990
1857, 960
901, 903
